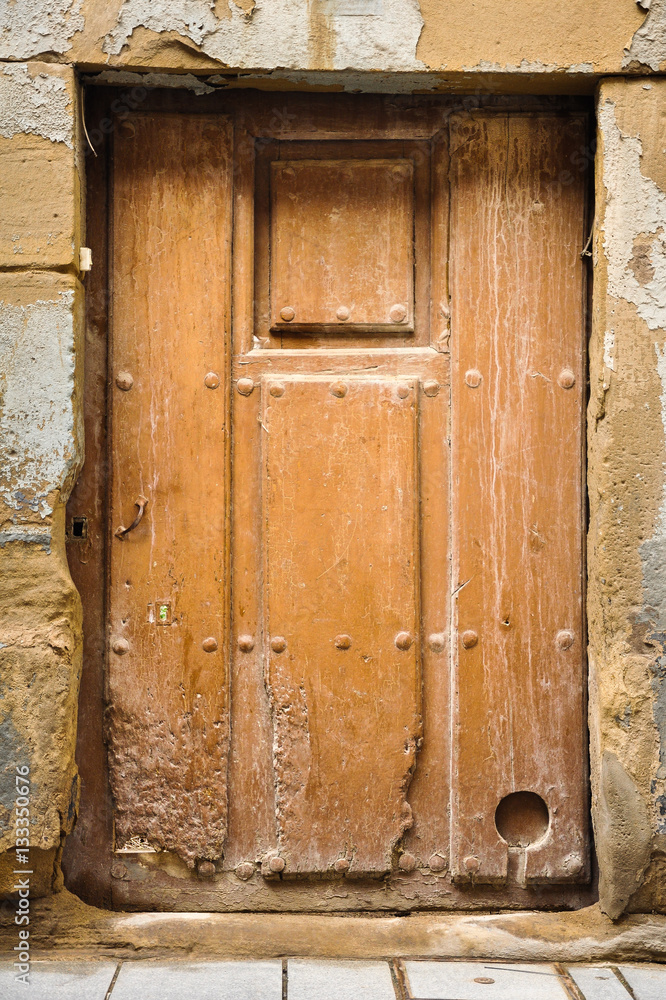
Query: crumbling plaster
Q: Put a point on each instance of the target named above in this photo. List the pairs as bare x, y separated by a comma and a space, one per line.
29, 28
627, 494
41, 452
648, 46
396, 36
324, 36
40, 422
40, 611
35, 103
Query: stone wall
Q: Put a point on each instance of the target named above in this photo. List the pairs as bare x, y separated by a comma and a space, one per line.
627, 456
46, 46
41, 369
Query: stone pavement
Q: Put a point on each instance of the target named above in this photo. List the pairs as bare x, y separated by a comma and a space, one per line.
311, 979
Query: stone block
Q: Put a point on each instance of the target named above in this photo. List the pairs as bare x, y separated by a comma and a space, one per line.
483, 981
204, 980
41, 434
49, 980
597, 983
310, 980
40, 196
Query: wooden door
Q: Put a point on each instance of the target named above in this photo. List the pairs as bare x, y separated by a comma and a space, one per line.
344, 640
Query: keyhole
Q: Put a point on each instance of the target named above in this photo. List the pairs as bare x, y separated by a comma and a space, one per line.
79, 527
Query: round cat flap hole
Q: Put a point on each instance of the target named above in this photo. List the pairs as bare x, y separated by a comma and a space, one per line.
522, 818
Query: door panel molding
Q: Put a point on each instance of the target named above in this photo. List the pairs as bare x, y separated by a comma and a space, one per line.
342, 644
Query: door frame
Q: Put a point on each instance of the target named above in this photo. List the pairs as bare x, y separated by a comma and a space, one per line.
93, 870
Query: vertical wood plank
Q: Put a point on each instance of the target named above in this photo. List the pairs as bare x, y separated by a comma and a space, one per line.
169, 718
342, 595
430, 791
252, 824
517, 387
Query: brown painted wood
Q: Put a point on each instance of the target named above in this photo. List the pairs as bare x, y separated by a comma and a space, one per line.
518, 382
294, 755
342, 246
352, 217
341, 586
168, 687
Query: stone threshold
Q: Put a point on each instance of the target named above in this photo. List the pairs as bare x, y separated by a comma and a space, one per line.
62, 923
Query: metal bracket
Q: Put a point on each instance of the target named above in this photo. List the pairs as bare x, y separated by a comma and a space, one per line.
141, 503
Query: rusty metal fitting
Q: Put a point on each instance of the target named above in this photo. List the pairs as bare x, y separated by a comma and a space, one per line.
245, 386
407, 862
437, 642
565, 639
124, 381
469, 638
244, 870
403, 641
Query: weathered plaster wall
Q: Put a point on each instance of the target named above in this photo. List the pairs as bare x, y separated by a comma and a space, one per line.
41, 368
444, 37
627, 490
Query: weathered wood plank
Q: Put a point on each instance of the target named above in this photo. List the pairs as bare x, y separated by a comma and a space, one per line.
517, 388
341, 586
168, 599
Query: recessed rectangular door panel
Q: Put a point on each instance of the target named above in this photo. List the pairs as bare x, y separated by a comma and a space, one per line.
341, 246
518, 208
341, 617
168, 605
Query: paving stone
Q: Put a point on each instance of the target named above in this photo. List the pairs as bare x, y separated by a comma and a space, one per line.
143, 980
647, 981
460, 981
312, 980
57, 980
597, 982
